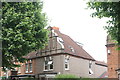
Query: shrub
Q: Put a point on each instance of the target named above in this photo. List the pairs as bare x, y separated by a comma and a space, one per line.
66, 77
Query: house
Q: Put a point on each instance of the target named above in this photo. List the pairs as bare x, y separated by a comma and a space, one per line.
62, 55
113, 58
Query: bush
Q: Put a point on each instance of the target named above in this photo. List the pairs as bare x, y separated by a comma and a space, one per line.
66, 77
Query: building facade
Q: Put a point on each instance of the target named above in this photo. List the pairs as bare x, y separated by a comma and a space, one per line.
62, 55
113, 59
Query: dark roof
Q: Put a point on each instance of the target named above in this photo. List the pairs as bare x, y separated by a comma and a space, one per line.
101, 63
31, 55
68, 42
78, 50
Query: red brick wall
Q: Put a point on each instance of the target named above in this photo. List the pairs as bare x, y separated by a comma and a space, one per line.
112, 61
22, 68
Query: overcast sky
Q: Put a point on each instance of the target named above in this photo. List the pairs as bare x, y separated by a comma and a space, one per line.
75, 21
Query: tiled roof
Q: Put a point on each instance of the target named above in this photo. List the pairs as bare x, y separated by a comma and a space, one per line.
78, 50
69, 44
31, 55
101, 63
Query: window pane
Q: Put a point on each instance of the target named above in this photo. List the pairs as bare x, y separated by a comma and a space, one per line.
26, 67
19, 69
48, 64
30, 65
66, 66
66, 62
51, 66
46, 67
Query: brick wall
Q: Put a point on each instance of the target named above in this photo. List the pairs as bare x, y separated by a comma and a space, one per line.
112, 62
113, 58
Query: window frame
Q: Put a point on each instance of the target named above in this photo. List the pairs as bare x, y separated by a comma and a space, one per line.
19, 70
48, 65
30, 67
26, 68
66, 63
90, 68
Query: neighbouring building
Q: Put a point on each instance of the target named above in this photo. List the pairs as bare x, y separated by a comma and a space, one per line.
62, 55
113, 58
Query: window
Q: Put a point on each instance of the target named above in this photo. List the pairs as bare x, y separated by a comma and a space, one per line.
51, 65
26, 67
19, 69
90, 64
109, 52
67, 62
48, 64
72, 49
90, 68
30, 67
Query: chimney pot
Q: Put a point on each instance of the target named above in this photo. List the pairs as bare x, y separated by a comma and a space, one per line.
55, 28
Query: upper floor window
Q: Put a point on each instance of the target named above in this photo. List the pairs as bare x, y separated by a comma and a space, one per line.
48, 63
108, 52
90, 68
26, 67
19, 69
72, 49
66, 62
30, 67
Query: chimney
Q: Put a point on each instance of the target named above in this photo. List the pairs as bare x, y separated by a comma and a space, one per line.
55, 28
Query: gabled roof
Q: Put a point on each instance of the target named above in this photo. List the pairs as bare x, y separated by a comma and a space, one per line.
31, 55
68, 45
68, 42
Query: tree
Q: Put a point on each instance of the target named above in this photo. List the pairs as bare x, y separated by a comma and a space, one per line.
112, 11
23, 30
0, 35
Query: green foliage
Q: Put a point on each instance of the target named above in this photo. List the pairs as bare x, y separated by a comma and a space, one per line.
93, 79
22, 30
112, 11
66, 77
73, 77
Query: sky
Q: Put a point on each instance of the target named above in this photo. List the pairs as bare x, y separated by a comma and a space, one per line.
74, 20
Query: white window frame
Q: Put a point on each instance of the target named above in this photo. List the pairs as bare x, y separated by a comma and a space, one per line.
26, 68
108, 51
52, 66
45, 65
19, 69
48, 65
90, 68
66, 62
30, 67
